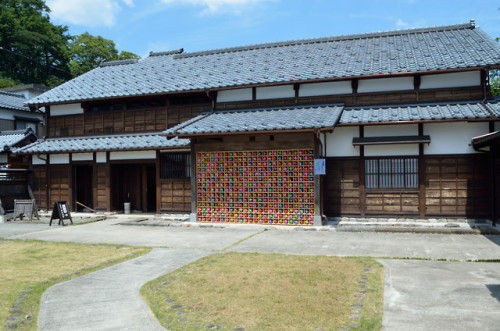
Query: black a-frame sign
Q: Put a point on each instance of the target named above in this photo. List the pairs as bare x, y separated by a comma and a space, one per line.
60, 212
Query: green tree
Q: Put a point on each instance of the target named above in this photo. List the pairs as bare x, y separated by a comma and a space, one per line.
32, 49
88, 51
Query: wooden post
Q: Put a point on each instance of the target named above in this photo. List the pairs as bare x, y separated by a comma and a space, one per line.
194, 188
144, 188
108, 183
362, 193
421, 173
158, 183
318, 221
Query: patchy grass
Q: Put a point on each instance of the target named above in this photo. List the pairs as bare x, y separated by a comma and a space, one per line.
268, 292
28, 268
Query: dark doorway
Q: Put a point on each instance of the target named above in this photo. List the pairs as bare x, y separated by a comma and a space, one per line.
83, 187
134, 183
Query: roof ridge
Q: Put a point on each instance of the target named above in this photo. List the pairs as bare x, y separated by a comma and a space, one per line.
13, 94
117, 62
470, 25
291, 107
443, 103
12, 132
107, 136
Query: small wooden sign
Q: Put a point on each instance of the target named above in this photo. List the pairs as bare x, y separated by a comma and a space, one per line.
24, 208
61, 212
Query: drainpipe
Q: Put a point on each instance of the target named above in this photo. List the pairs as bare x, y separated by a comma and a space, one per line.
207, 91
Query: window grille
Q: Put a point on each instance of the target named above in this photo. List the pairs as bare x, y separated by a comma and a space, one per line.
391, 173
175, 165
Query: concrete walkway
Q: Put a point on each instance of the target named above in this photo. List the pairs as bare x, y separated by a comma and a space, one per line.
109, 299
429, 295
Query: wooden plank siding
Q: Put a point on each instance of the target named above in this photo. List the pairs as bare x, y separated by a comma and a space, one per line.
455, 186
60, 184
342, 187
122, 121
40, 185
102, 182
175, 195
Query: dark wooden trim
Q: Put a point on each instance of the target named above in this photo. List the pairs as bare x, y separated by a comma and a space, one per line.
194, 187
391, 140
362, 189
157, 180
421, 173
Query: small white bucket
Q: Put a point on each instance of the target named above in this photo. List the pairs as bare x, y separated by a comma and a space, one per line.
126, 207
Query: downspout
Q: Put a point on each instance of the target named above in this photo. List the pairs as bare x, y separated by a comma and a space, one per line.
207, 91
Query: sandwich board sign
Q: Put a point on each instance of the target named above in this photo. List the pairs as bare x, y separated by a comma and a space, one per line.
61, 212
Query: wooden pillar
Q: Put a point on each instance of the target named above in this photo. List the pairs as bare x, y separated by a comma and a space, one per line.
194, 188
362, 192
108, 183
421, 173
158, 183
144, 188
318, 221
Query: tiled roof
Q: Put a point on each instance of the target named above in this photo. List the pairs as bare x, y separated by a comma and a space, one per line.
11, 138
104, 143
257, 120
402, 51
13, 101
418, 113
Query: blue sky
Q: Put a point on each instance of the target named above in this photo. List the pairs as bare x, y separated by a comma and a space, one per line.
141, 26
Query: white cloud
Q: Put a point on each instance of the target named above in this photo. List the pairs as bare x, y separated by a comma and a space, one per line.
214, 6
86, 12
400, 24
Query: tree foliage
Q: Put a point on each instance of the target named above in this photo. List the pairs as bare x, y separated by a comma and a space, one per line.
34, 50
89, 51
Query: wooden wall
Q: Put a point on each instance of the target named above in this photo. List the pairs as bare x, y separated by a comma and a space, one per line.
455, 186
102, 183
175, 195
122, 121
40, 185
60, 184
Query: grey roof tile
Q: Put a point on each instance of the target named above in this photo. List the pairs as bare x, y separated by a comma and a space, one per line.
138, 141
427, 49
9, 139
417, 112
14, 101
255, 120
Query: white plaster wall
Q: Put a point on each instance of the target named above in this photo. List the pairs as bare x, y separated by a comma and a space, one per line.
37, 160
6, 115
314, 89
456, 79
100, 157
69, 109
135, 155
59, 158
82, 156
275, 92
391, 130
234, 95
385, 84
339, 143
452, 137
391, 150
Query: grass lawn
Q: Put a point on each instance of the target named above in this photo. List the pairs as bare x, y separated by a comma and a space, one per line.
28, 268
269, 292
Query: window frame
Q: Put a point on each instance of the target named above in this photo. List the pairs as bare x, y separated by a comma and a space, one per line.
402, 176
175, 165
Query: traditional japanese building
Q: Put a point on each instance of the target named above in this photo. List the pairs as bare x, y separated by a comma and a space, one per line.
392, 114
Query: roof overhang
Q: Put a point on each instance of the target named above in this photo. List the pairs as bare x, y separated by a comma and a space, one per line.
486, 140
366, 141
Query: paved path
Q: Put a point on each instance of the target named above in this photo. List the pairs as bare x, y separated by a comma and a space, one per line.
109, 232
109, 299
401, 245
13, 228
428, 295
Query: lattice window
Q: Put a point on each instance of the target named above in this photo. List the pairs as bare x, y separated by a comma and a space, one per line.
391, 173
175, 165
